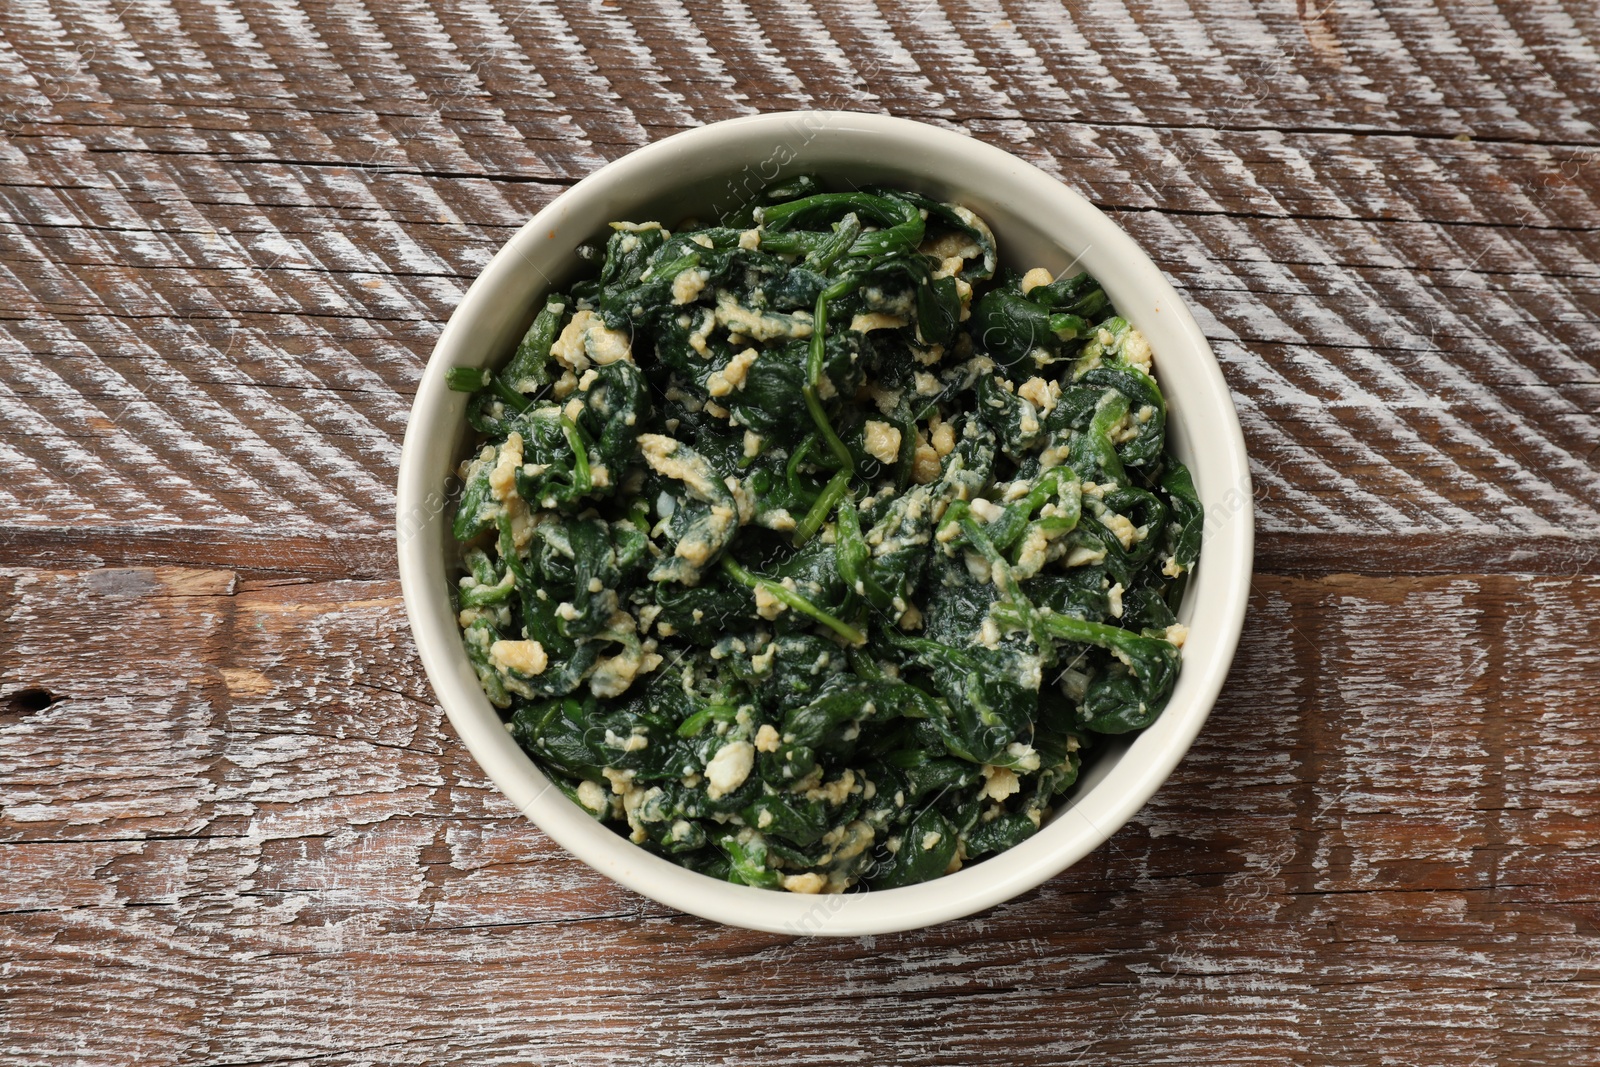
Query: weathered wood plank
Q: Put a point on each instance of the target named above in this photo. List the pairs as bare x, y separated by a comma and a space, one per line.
246, 833
342, 554
451, 82
233, 826
1378, 395
365, 556
1409, 320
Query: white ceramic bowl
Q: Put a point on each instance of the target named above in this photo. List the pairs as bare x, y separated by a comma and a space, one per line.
1038, 222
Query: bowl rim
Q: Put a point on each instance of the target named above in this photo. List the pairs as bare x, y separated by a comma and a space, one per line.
1070, 834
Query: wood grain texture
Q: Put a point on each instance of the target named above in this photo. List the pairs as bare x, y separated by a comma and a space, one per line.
234, 827
247, 835
233, 233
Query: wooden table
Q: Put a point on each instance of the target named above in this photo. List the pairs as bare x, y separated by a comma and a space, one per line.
234, 827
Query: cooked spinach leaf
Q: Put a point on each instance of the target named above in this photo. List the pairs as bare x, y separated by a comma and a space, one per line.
811, 550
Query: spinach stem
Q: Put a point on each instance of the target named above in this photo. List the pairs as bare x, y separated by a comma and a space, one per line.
472, 379
467, 379
582, 481
791, 470
510, 395
792, 599
814, 361
831, 494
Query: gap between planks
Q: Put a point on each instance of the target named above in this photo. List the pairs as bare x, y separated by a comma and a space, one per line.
370, 554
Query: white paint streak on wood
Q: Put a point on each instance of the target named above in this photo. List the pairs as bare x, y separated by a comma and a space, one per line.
1056, 32
1423, 505
755, 48
1121, 36
806, 36
380, 269
1553, 728
82, 471
1390, 389
1572, 45
510, 68
884, 58
713, 88
252, 850
1031, 81
614, 122
251, 432
1426, 390
934, 42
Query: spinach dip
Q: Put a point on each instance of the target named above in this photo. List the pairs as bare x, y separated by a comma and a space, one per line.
812, 552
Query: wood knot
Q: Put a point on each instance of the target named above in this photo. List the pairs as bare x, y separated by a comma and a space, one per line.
25, 702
